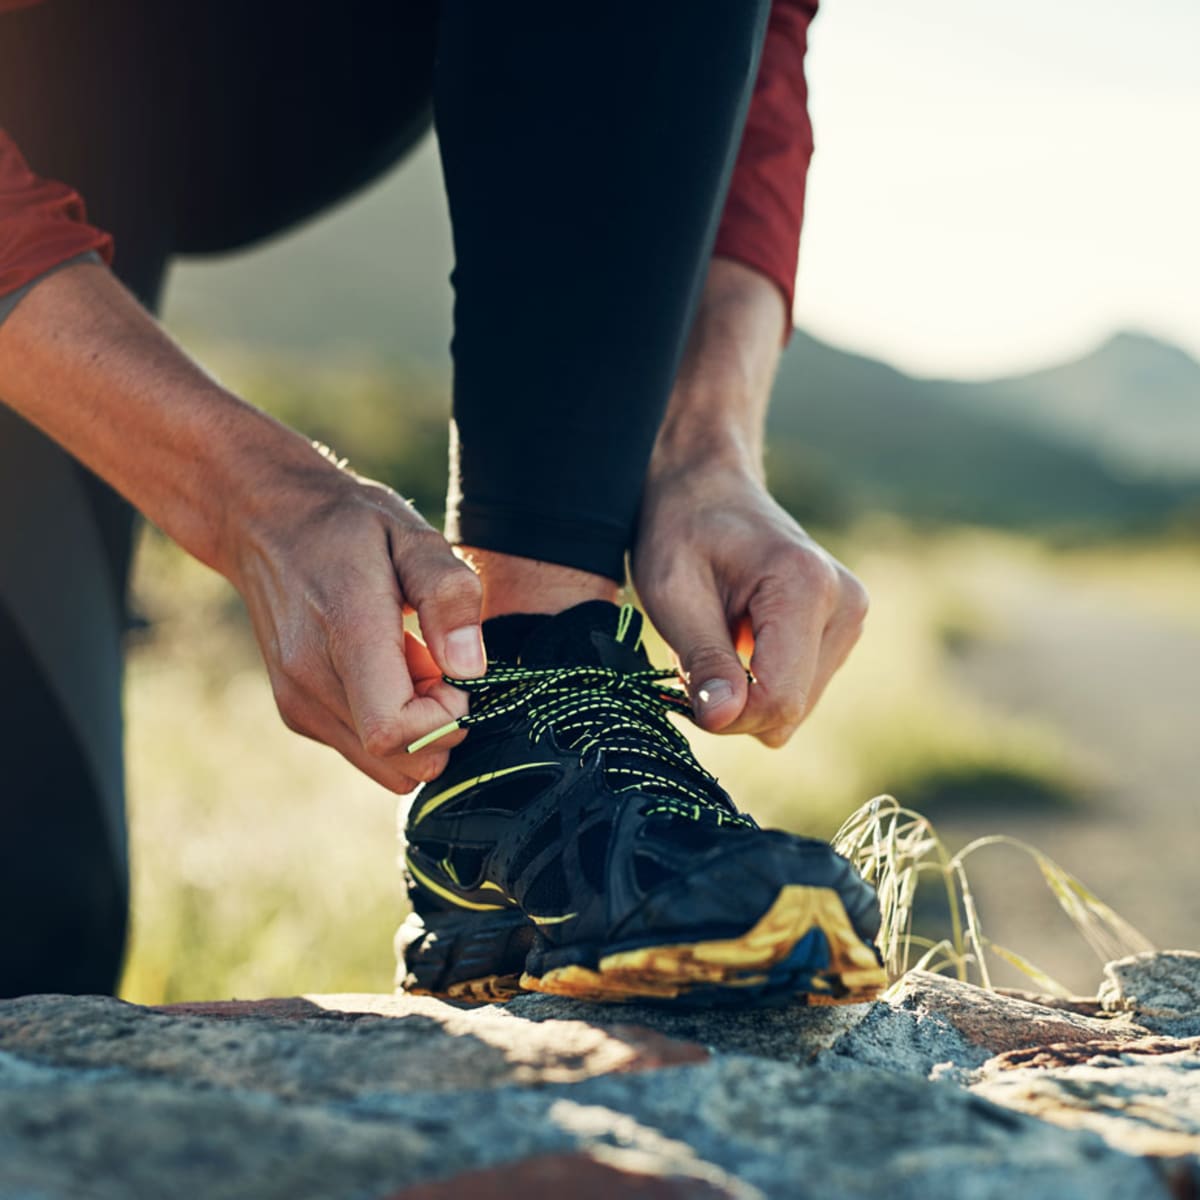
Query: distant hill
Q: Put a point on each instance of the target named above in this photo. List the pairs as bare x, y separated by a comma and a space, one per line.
1134, 398
1072, 447
880, 439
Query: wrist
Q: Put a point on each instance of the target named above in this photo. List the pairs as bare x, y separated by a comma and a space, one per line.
264, 479
717, 410
701, 434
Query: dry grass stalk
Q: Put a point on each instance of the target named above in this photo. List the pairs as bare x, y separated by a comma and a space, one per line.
895, 847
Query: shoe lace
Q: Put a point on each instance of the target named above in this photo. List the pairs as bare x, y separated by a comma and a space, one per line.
599, 708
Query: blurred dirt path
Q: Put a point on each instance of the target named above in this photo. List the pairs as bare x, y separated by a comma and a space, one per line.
1124, 686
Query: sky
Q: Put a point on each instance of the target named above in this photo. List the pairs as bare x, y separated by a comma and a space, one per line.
999, 185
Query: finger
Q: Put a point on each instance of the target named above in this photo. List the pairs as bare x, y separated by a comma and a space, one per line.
696, 628
307, 717
788, 615
368, 648
841, 636
365, 640
421, 667
429, 684
309, 680
448, 598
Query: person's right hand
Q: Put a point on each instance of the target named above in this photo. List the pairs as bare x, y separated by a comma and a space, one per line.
328, 563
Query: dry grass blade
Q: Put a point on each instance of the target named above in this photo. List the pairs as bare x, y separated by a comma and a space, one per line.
894, 847
1106, 931
1044, 983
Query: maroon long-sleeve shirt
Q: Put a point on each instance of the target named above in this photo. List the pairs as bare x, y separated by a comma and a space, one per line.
43, 223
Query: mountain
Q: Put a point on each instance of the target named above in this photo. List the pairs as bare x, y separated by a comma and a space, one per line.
881, 439
1134, 399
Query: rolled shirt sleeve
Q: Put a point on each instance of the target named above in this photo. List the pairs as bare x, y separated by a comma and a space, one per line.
43, 226
764, 210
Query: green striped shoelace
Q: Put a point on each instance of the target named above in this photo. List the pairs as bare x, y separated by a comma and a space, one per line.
625, 713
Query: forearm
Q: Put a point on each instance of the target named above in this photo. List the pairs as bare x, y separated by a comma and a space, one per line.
325, 561
718, 405
719, 565
81, 360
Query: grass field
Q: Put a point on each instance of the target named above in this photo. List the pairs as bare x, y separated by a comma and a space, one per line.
265, 865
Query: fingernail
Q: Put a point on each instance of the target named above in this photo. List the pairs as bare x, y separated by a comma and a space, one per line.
464, 652
714, 693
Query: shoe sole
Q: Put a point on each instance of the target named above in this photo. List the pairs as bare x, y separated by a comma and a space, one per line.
488, 989
804, 949
468, 958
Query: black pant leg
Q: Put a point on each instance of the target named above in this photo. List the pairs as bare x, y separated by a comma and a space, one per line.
286, 110
587, 152
80, 88
63, 890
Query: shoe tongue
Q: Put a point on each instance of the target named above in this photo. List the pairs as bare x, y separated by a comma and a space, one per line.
504, 636
586, 635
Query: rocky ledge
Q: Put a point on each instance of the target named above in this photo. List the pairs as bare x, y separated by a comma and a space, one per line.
944, 1091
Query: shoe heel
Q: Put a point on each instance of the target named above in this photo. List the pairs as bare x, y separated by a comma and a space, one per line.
471, 957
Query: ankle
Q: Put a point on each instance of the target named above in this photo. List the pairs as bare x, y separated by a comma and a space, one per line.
526, 585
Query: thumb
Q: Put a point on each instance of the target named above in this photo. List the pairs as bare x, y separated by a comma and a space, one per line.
695, 627
448, 598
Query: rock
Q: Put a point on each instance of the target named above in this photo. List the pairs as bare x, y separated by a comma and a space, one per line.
598, 1175
796, 1034
996, 1022
1141, 1097
358, 1098
317, 1050
1085, 1006
932, 1023
929, 1021
1161, 989
1140, 1093
1068, 1054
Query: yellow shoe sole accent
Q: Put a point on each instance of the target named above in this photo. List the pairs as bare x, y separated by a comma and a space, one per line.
667, 972
489, 989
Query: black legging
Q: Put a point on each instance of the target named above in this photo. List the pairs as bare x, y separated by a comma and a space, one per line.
587, 150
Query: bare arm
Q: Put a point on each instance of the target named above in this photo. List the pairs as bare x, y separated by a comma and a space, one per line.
326, 561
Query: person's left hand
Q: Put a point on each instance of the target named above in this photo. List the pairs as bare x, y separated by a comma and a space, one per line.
720, 567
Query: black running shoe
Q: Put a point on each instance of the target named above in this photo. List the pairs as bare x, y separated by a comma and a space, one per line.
573, 845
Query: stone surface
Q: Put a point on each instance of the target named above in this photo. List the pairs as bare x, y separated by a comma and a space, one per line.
1143, 1098
113, 1134
597, 1175
934, 1024
944, 1091
319, 1050
1161, 990
1069, 1054
929, 1020
795, 1034
1085, 1006
995, 1022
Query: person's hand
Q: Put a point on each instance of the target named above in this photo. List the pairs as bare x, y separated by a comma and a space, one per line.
327, 564
719, 567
